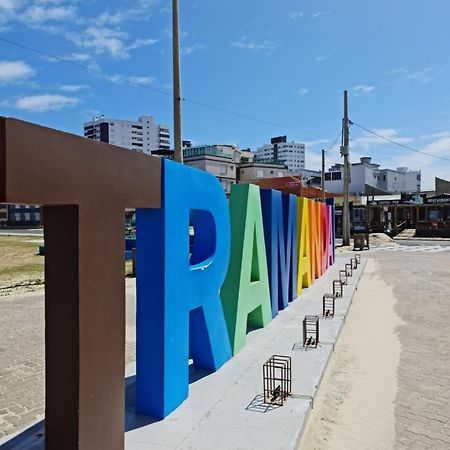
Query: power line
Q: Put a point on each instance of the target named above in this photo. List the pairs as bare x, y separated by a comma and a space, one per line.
407, 147
83, 66
335, 141
136, 83
244, 116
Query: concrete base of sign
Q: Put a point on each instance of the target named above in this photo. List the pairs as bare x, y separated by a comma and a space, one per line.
225, 410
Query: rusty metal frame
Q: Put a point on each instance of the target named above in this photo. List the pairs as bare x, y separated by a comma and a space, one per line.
277, 379
338, 288
343, 277
85, 187
349, 269
310, 331
328, 305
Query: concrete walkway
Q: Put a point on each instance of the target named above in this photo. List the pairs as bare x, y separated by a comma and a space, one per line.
225, 410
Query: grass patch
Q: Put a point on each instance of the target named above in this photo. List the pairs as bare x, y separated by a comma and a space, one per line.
19, 262
21, 268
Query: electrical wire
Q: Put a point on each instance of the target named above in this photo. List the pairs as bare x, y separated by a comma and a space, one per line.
407, 147
82, 66
136, 83
334, 142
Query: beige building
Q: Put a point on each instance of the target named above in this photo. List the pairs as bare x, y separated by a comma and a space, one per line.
219, 160
256, 170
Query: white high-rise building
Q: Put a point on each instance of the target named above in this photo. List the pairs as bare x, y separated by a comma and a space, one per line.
143, 136
292, 154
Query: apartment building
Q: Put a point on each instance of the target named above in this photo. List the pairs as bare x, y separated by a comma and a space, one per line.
291, 154
144, 135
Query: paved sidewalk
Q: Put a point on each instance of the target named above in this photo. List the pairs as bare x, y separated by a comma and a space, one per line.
224, 410
22, 362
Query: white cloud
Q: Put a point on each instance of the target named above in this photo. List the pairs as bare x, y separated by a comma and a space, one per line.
187, 50
301, 92
145, 81
74, 87
39, 14
321, 58
244, 43
422, 76
76, 57
115, 78
441, 134
102, 40
48, 2
315, 142
14, 71
321, 13
139, 12
45, 102
440, 146
363, 89
296, 15
7, 5
142, 43
108, 40
367, 140
137, 80
107, 18
396, 71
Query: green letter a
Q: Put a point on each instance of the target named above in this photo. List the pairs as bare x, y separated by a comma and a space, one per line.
245, 292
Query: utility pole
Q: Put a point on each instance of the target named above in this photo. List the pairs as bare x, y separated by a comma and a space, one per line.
345, 152
178, 148
322, 178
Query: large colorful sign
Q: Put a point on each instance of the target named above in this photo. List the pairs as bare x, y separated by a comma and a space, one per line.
249, 260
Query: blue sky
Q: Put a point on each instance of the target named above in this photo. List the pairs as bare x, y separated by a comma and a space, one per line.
285, 62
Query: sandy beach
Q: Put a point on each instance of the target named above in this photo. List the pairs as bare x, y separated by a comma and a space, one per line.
388, 382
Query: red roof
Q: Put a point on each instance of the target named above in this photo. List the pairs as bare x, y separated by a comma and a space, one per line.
291, 185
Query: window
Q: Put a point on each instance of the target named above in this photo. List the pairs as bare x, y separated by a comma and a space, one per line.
358, 214
336, 176
328, 176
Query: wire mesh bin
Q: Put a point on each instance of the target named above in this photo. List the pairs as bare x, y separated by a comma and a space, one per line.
343, 276
277, 379
338, 289
311, 331
349, 270
328, 305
